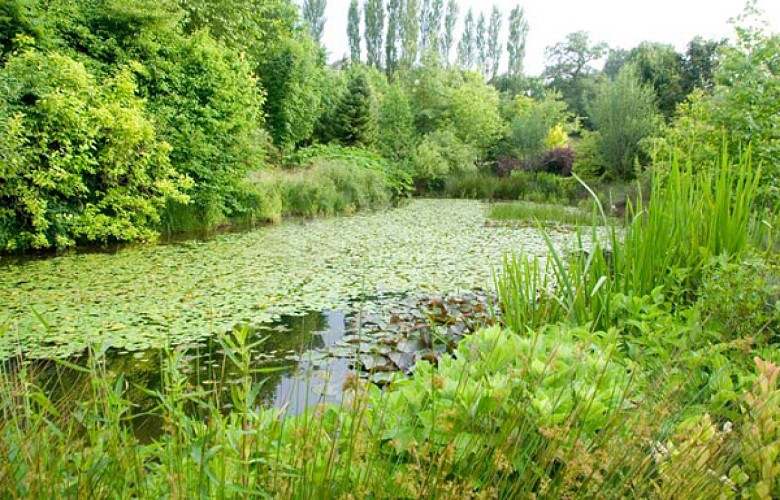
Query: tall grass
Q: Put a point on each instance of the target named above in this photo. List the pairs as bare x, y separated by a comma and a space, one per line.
690, 217
537, 211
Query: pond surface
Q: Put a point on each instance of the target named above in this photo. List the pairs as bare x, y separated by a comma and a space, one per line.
147, 297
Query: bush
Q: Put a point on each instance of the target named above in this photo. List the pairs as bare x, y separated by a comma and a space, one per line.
741, 300
80, 160
558, 161
209, 109
535, 124
396, 174
439, 155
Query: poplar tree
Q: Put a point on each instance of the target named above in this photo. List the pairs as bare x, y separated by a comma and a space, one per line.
450, 19
467, 45
394, 32
482, 42
518, 32
425, 11
374, 15
353, 31
410, 26
494, 46
435, 15
314, 17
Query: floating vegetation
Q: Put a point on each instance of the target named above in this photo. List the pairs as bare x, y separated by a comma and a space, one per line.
147, 297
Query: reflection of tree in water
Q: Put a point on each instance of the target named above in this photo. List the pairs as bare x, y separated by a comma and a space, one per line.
205, 365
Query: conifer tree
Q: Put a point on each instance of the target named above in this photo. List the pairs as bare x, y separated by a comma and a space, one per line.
354, 120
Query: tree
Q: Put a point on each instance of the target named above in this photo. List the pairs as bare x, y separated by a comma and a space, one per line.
467, 47
425, 16
623, 113
353, 31
314, 17
435, 15
515, 46
291, 77
494, 46
740, 109
569, 69
411, 31
394, 30
374, 14
701, 58
482, 44
448, 38
474, 114
355, 120
396, 126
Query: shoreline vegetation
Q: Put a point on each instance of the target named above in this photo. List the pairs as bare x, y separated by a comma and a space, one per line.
576, 293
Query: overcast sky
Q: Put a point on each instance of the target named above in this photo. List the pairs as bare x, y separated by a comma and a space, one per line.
620, 23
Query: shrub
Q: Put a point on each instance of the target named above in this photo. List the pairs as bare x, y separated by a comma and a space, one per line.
506, 164
558, 161
209, 108
439, 155
535, 123
80, 160
741, 300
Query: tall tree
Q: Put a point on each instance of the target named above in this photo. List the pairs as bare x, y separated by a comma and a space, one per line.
425, 14
394, 32
482, 44
410, 25
448, 38
435, 15
374, 13
518, 33
494, 46
700, 62
314, 17
353, 31
570, 69
468, 44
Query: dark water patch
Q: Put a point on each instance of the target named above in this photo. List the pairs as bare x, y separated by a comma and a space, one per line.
298, 361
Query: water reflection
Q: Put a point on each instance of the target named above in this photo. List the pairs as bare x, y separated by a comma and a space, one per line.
292, 385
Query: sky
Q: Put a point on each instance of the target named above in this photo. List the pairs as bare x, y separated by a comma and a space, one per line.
620, 23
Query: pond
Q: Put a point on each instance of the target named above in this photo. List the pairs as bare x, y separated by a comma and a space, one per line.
301, 285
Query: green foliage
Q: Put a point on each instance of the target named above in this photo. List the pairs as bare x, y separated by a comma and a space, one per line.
741, 300
331, 188
623, 112
532, 122
569, 68
209, 109
467, 47
353, 31
740, 110
473, 113
374, 14
535, 211
81, 160
314, 16
439, 155
291, 77
355, 119
515, 46
396, 140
